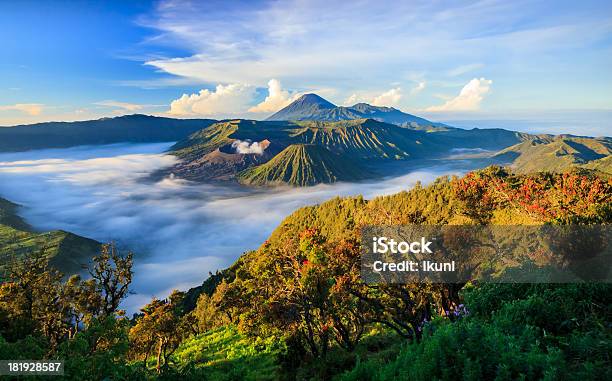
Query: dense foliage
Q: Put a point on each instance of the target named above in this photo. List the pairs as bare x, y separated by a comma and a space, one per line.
296, 308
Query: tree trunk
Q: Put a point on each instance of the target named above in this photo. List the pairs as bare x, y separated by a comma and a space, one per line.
159, 355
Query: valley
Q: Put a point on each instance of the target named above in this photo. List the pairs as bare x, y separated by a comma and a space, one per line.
179, 230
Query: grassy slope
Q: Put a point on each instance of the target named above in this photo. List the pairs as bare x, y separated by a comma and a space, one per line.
225, 354
556, 154
505, 329
302, 165
67, 251
367, 139
204, 141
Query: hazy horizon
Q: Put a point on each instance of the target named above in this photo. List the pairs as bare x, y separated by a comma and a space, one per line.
576, 122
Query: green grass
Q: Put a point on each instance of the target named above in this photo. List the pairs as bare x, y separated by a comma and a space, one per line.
225, 354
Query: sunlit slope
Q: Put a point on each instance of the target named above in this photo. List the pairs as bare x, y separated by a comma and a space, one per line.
302, 165
316, 152
357, 144
367, 139
65, 250
559, 153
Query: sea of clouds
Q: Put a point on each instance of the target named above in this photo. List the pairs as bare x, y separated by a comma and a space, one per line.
178, 230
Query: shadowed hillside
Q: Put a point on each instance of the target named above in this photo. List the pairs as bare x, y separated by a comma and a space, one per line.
129, 129
65, 250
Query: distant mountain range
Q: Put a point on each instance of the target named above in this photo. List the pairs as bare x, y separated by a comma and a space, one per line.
130, 128
312, 141
313, 107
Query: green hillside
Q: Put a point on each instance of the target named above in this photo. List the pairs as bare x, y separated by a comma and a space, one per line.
602, 165
560, 153
225, 354
297, 308
367, 139
305, 278
302, 165
354, 144
9, 217
65, 250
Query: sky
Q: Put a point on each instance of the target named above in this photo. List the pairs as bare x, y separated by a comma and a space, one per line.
446, 60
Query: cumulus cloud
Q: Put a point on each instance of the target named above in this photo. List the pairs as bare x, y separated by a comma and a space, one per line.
225, 100
121, 105
351, 100
247, 146
277, 98
388, 98
178, 230
469, 98
28, 108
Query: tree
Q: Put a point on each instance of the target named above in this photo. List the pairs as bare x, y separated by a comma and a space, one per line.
111, 275
35, 300
161, 328
300, 291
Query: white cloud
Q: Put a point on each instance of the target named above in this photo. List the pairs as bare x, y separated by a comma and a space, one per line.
418, 88
29, 108
286, 40
120, 105
225, 100
277, 98
388, 98
351, 100
469, 98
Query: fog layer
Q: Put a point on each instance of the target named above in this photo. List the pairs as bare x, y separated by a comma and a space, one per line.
178, 230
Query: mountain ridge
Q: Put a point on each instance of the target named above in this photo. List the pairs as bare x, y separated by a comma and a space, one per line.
314, 107
559, 153
135, 128
208, 153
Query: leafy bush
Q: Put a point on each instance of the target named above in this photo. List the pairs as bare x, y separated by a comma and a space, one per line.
549, 332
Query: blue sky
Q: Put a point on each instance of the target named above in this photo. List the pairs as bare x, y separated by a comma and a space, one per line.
447, 60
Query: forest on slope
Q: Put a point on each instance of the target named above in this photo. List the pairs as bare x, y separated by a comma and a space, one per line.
296, 308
